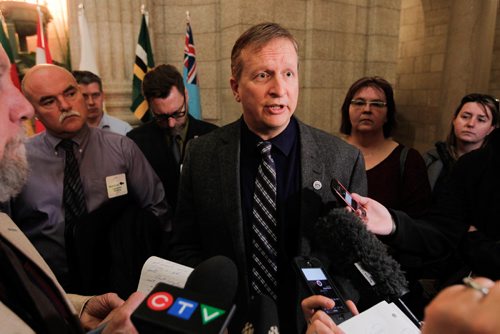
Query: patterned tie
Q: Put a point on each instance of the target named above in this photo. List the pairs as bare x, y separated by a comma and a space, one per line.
73, 196
175, 149
264, 227
74, 208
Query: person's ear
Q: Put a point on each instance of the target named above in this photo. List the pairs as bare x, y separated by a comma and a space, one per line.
186, 96
234, 87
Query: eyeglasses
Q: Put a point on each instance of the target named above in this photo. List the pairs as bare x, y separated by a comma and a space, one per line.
358, 103
175, 115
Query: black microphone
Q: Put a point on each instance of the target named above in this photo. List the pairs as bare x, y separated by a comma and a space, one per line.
205, 305
262, 316
217, 277
344, 238
346, 241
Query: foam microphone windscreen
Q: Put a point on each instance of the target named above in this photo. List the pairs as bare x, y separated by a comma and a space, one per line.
216, 277
262, 316
346, 241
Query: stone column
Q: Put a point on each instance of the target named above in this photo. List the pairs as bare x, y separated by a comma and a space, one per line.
469, 54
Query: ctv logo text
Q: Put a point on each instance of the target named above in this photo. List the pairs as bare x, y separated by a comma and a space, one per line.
181, 307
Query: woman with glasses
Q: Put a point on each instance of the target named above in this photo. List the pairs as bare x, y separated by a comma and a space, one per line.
474, 119
397, 176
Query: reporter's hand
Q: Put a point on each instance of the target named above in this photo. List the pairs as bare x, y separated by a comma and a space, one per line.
318, 321
460, 309
98, 308
378, 220
118, 321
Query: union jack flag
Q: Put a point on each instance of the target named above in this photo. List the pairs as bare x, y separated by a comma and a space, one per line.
190, 57
191, 74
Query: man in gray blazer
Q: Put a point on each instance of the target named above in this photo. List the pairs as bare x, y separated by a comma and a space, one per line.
221, 183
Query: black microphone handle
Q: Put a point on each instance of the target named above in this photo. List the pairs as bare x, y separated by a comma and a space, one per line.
406, 310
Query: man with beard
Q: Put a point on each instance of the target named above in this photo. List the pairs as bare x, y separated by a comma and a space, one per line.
55, 197
91, 88
31, 300
163, 140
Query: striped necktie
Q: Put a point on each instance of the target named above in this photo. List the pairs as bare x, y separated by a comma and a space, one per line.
74, 208
264, 227
73, 195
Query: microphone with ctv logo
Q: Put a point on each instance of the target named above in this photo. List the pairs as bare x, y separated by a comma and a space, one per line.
354, 252
205, 305
262, 316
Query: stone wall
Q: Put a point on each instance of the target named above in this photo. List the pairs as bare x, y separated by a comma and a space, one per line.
446, 51
425, 48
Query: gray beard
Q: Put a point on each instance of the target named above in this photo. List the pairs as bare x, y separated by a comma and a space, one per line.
13, 169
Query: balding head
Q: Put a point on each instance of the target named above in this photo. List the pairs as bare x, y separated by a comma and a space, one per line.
38, 73
58, 102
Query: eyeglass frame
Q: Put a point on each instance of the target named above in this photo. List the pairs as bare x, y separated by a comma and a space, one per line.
358, 103
175, 115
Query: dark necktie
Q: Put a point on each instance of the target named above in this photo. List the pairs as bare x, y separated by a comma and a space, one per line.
176, 152
74, 202
264, 227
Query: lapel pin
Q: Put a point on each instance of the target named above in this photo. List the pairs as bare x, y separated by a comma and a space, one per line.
317, 185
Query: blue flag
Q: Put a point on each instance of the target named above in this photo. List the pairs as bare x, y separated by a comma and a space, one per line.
190, 75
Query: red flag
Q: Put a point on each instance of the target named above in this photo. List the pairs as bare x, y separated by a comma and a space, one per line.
6, 46
42, 47
42, 55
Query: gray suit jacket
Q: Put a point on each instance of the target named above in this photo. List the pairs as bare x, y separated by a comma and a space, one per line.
209, 217
12, 323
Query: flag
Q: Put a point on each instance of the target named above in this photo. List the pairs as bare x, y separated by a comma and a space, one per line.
143, 63
191, 75
87, 56
14, 75
42, 55
42, 47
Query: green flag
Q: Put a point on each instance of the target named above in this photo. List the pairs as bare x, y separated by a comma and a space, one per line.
6, 46
143, 63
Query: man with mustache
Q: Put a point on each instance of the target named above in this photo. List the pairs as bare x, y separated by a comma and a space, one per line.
110, 166
31, 300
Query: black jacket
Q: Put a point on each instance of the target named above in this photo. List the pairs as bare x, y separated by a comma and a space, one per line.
470, 197
152, 141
